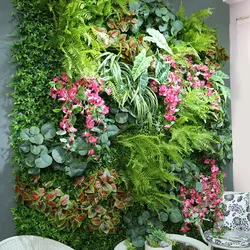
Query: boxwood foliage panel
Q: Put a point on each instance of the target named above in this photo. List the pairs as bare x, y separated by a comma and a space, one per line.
119, 115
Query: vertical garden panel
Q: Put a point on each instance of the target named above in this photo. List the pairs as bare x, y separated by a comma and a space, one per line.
6, 187
220, 21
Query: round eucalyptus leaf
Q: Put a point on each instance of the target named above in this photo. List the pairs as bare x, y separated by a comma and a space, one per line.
176, 216
138, 242
37, 139
104, 138
48, 130
163, 28
176, 26
34, 171
76, 168
58, 154
121, 118
163, 216
43, 161
114, 111
44, 149
34, 130
30, 160
198, 186
165, 18
112, 130
81, 144
83, 152
25, 148
25, 134
35, 149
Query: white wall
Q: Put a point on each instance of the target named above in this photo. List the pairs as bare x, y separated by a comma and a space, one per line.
240, 87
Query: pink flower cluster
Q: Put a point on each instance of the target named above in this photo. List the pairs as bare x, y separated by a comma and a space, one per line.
80, 99
199, 205
170, 91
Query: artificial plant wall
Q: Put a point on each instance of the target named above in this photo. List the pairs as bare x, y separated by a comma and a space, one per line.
119, 116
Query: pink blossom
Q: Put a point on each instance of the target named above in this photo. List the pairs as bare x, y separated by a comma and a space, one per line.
86, 134
105, 110
53, 92
72, 130
91, 152
166, 127
93, 139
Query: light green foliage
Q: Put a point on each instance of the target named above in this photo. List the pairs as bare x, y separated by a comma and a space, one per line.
129, 84
195, 33
146, 169
196, 108
218, 79
141, 65
189, 131
192, 138
80, 33
158, 38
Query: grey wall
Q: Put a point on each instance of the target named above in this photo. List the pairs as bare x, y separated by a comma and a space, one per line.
220, 21
6, 187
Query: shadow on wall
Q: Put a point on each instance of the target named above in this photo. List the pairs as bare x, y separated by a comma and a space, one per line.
6, 69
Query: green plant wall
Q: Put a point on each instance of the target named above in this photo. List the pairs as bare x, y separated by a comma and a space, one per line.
117, 120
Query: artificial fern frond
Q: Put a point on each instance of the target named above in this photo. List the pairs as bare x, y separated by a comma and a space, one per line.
196, 34
192, 138
195, 108
147, 169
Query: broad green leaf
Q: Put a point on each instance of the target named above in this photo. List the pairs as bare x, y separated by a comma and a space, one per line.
58, 154
163, 216
104, 138
30, 160
75, 168
143, 82
176, 215
82, 146
121, 118
48, 130
43, 161
198, 186
35, 149
25, 148
44, 149
138, 242
176, 27
159, 39
112, 130
34, 130
163, 28
25, 134
37, 139
161, 71
141, 64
